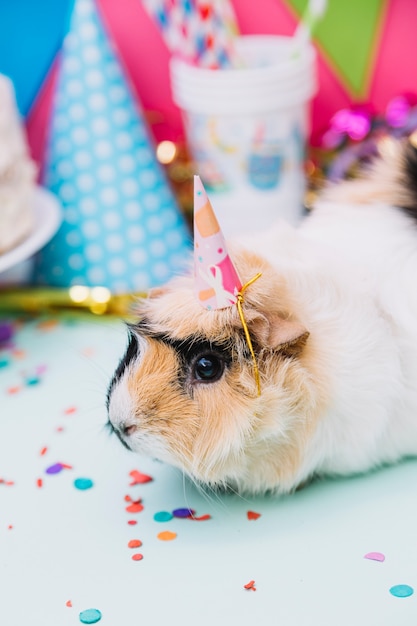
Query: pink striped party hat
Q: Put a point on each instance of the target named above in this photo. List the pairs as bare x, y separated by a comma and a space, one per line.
216, 280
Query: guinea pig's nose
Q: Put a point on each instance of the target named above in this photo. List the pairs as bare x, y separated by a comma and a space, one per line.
127, 429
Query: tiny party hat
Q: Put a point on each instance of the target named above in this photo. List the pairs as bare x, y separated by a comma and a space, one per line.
217, 282
122, 228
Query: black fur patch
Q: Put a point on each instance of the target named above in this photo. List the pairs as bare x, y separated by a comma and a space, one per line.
131, 353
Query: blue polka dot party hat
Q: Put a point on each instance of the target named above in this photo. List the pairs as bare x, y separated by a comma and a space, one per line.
122, 228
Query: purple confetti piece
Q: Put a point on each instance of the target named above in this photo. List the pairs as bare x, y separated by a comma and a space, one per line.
54, 469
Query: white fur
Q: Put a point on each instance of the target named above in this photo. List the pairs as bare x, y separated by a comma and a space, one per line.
354, 268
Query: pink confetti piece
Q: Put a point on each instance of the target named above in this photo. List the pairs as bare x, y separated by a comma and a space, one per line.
375, 556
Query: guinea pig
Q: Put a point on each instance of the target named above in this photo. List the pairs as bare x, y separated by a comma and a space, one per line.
333, 327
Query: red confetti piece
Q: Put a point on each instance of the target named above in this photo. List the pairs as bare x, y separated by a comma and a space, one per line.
70, 410
138, 478
9, 483
252, 515
68, 603
66, 466
10, 527
128, 499
39, 482
136, 507
137, 557
201, 518
43, 451
134, 543
60, 429
250, 585
132, 522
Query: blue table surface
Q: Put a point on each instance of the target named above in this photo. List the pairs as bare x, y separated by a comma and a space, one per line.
64, 550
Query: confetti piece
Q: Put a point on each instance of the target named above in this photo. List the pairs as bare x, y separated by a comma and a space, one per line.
70, 410
4, 362
39, 482
134, 543
132, 522
55, 468
375, 556
136, 507
163, 516
10, 527
32, 381
402, 591
60, 429
166, 535
252, 515
43, 451
13, 390
8, 483
47, 325
138, 478
68, 603
90, 616
183, 513
83, 483
19, 354
128, 499
137, 557
201, 518
250, 585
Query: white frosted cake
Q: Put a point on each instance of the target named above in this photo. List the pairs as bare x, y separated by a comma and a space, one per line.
17, 173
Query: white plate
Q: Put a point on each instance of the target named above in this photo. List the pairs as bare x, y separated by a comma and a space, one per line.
48, 217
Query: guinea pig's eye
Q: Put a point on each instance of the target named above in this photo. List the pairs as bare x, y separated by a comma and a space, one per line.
208, 368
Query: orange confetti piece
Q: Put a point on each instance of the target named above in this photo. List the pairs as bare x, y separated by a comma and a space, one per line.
166, 535
201, 518
134, 543
252, 515
13, 390
250, 585
47, 324
39, 482
43, 451
137, 557
68, 603
138, 478
19, 354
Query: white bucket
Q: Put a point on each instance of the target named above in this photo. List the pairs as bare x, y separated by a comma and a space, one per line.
247, 128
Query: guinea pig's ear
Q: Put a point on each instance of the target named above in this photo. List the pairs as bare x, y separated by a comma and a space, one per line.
155, 292
272, 331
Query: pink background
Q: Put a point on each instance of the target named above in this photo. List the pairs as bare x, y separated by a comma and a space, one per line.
146, 57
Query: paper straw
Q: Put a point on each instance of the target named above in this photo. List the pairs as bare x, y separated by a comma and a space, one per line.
200, 32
